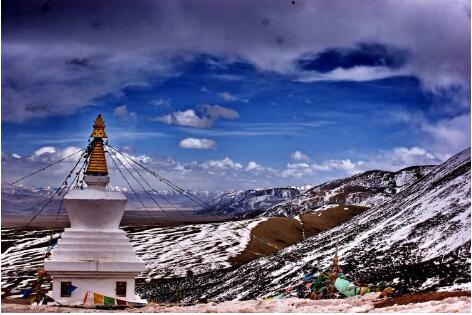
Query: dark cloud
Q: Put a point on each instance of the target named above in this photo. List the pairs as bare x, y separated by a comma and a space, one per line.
371, 54
37, 107
133, 42
81, 62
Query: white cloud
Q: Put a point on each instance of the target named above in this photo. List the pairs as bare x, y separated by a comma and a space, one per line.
401, 157
216, 112
185, 118
122, 112
44, 150
299, 156
345, 165
207, 115
253, 166
358, 73
223, 164
161, 102
448, 135
197, 143
442, 137
297, 170
227, 96
219, 174
204, 90
16, 156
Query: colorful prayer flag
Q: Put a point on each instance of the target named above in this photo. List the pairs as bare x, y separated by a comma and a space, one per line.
121, 302
97, 298
70, 289
85, 297
108, 300
26, 292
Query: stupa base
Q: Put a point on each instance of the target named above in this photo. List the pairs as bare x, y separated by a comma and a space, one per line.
92, 290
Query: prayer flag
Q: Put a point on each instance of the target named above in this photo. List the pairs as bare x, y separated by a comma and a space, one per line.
70, 289
97, 298
108, 300
26, 292
121, 302
85, 297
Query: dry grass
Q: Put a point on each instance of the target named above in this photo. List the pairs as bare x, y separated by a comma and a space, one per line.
280, 231
283, 231
314, 223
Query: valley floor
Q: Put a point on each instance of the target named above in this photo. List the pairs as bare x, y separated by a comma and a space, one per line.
454, 302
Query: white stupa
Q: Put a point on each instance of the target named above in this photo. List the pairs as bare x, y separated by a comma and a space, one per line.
94, 255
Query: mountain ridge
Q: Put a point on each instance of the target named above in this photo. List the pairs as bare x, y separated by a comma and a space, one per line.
418, 240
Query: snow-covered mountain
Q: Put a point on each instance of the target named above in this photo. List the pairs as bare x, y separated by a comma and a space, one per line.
367, 189
253, 201
417, 240
19, 200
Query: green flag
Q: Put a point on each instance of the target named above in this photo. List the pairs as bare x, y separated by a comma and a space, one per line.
108, 301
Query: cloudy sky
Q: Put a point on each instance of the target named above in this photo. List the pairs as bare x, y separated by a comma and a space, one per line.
237, 94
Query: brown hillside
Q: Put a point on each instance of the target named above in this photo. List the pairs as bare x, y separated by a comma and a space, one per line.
283, 231
316, 222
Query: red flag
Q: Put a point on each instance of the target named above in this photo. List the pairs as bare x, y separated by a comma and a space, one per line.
85, 297
121, 302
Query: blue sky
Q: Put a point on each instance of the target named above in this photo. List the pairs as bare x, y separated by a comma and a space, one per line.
217, 107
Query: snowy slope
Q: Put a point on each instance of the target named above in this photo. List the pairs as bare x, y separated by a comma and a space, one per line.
367, 189
167, 252
418, 240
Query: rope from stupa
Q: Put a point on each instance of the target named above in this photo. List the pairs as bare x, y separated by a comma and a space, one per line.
165, 180
147, 183
43, 168
152, 189
145, 190
54, 194
75, 180
135, 193
255, 237
180, 190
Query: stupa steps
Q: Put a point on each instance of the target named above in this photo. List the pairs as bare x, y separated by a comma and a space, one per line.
94, 247
109, 234
93, 254
91, 240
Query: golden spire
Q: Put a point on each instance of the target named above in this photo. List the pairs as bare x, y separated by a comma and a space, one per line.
98, 128
97, 163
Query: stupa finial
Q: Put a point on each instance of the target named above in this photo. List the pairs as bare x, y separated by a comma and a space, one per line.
97, 165
98, 128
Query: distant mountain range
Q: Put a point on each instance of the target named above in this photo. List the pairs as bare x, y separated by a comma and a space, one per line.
19, 200
367, 189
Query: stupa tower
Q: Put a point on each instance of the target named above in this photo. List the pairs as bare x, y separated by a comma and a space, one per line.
94, 255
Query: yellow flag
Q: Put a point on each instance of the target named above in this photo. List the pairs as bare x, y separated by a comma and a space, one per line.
97, 298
